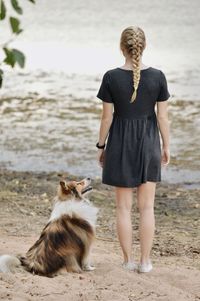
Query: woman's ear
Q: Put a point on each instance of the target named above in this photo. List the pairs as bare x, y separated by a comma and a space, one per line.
122, 51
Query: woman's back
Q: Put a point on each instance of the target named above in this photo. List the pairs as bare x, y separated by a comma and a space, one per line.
117, 87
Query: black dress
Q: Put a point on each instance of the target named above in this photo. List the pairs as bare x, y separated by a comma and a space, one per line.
133, 152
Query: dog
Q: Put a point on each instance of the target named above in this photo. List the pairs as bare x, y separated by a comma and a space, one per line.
66, 241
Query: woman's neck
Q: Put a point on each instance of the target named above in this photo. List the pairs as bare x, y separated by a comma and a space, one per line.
128, 64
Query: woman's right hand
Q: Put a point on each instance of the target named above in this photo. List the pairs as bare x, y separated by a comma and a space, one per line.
165, 156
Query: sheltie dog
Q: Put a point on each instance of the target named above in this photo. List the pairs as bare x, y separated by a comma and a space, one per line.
66, 241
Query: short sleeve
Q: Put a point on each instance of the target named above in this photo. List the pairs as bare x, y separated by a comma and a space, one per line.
163, 93
104, 92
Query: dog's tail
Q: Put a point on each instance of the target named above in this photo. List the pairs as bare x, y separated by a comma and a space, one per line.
9, 263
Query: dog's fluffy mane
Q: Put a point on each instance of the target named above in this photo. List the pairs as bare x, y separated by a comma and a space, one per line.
81, 209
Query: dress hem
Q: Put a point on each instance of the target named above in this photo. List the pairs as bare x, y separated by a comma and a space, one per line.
132, 186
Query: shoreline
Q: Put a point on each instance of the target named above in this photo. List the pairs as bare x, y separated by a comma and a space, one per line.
46, 136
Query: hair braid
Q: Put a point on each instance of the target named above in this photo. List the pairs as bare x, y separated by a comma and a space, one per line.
133, 41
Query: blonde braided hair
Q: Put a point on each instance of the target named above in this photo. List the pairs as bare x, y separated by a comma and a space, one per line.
133, 41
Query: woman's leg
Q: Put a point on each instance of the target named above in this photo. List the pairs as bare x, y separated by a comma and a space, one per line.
145, 203
124, 198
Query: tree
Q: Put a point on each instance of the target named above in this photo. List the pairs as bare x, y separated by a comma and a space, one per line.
12, 56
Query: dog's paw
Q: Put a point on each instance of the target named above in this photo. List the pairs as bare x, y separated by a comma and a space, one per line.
88, 268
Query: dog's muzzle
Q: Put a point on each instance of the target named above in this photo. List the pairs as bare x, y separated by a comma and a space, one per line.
88, 188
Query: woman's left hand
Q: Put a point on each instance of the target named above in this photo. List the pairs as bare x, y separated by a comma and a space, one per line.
100, 156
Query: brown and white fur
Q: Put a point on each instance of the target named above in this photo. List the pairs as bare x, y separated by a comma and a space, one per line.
65, 242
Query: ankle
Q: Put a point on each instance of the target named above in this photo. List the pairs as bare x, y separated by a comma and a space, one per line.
128, 259
145, 260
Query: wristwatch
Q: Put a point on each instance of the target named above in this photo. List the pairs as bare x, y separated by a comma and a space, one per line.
100, 146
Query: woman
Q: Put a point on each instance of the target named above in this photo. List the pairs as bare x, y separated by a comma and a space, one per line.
133, 155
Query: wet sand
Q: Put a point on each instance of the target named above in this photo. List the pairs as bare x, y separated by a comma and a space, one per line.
25, 204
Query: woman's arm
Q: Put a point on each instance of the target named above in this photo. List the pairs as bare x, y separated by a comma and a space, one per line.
106, 120
163, 122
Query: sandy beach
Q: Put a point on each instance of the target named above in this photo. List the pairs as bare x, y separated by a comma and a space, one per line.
25, 204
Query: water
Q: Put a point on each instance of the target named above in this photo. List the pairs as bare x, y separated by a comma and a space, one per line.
49, 111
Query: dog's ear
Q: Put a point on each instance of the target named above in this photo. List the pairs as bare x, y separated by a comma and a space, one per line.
64, 187
62, 184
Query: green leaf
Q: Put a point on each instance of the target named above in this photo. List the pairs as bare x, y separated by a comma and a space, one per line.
33, 1
14, 56
15, 25
9, 60
2, 10
16, 7
19, 57
1, 77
